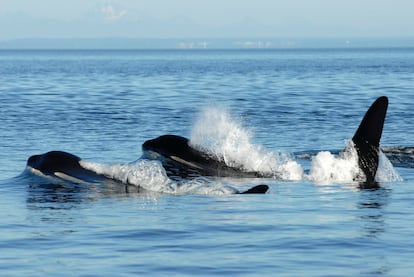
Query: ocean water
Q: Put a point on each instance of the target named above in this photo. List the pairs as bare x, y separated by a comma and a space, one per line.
293, 110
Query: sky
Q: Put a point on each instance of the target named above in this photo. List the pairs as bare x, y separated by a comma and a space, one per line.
205, 19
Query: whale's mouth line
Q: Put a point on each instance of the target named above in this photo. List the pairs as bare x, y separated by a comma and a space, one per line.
181, 161
150, 153
39, 173
58, 176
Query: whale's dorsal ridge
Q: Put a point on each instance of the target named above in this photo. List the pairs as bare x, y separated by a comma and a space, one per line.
367, 137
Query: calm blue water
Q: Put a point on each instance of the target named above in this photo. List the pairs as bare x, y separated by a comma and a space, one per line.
102, 105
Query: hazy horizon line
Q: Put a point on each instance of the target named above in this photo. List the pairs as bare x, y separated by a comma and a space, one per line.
206, 43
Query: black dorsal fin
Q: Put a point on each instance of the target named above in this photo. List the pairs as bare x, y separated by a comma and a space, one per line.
367, 138
257, 189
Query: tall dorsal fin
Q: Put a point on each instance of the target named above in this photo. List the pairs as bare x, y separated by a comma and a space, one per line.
367, 137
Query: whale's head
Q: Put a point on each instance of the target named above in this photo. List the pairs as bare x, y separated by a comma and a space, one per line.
53, 161
168, 146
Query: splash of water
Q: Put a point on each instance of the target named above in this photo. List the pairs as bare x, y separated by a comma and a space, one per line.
225, 138
144, 173
327, 168
151, 176
386, 171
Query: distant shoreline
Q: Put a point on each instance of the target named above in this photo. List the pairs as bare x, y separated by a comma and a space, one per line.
202, 43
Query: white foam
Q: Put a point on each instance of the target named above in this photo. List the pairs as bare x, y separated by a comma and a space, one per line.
143, 173
327, 168
226, 139
151, 176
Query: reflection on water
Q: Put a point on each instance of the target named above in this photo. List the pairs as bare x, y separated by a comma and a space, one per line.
53, 196
64, 196
371, 205
64, 207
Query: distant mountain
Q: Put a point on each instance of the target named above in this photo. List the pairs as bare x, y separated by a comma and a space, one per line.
208, 43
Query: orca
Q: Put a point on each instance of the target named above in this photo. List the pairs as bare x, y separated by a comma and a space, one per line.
180, 158
66, 167
62, 166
